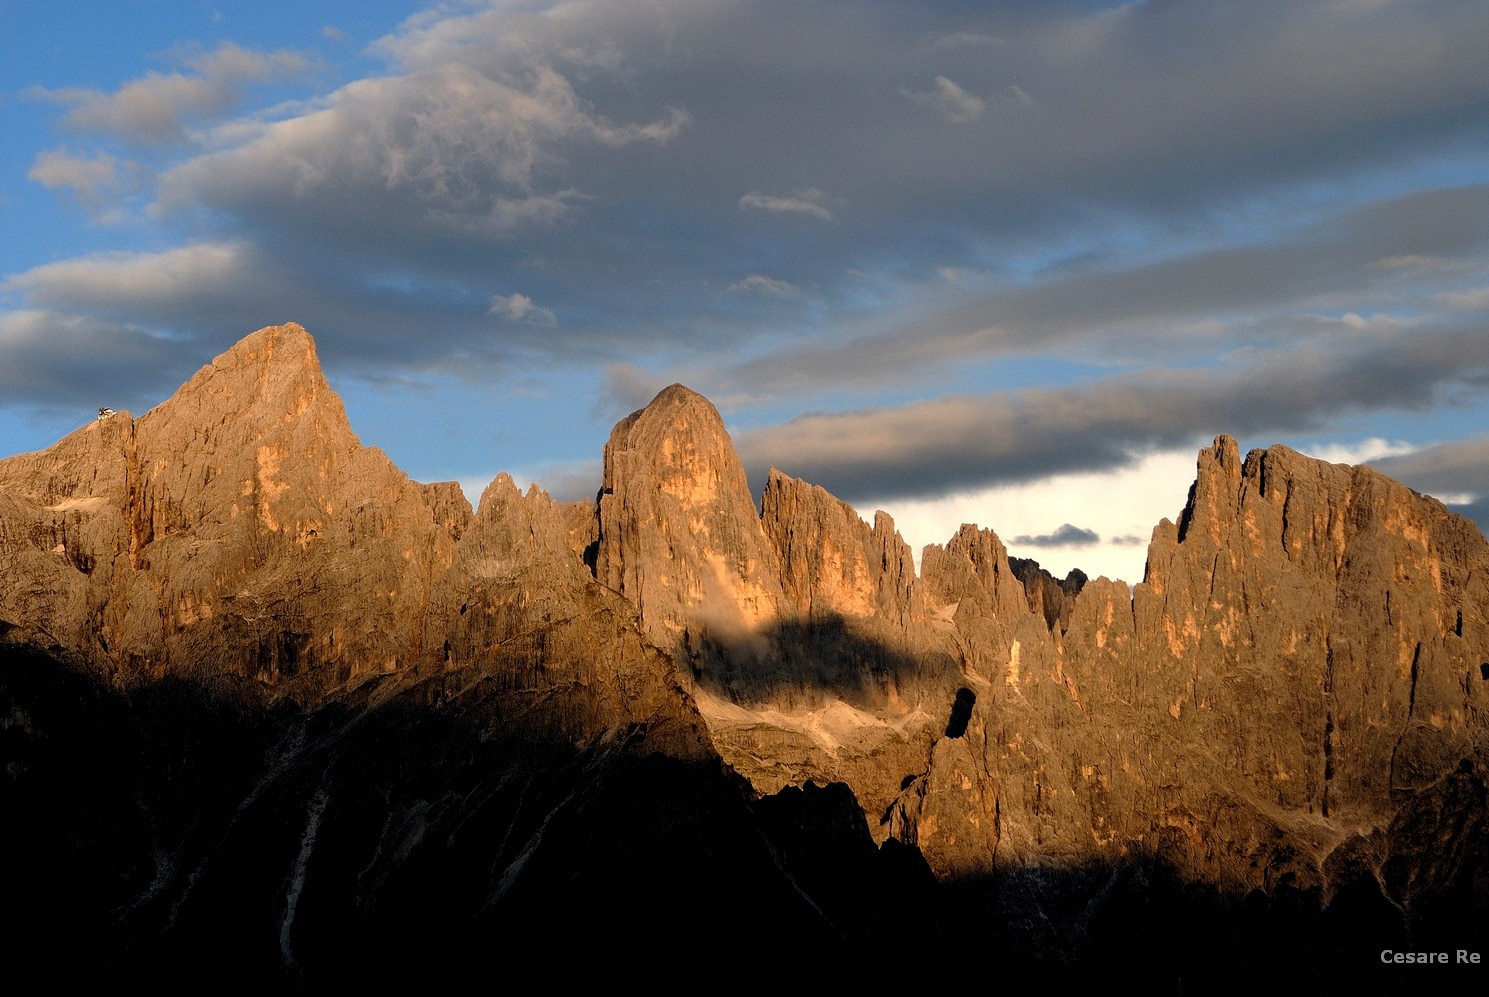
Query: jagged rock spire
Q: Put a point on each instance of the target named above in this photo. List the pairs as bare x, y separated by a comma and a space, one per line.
679, 535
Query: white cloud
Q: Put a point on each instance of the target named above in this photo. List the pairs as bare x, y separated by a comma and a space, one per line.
951, 101
128, 278
759, 284
93, 181
447, 149
564, 481
969, 39
1361, 452
1414, 261
964, 277
1017, 95
154, 109
802, 202
519, 146
59, 360
520, 308
1455, 472
1065, 535
1466, 300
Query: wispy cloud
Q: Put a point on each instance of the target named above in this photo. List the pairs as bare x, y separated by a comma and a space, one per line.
950, 101
55, 361
156, 108
801, 202
758, 284
624, 388
936, 447
136, 278
520, 308
95, 180
1445, 469
1253, 295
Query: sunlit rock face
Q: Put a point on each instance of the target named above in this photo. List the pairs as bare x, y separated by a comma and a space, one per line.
315, 682
1295, 676
679, 536
801, 628
1291, 671
238, 528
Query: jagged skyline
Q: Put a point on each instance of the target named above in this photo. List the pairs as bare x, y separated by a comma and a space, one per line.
1007, 266
276, 711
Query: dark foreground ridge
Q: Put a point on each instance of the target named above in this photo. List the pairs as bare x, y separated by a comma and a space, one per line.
275, 714
175, 836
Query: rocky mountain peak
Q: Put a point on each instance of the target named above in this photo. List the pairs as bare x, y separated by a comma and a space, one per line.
1291, 703
224, 524
271, 381
267, 389
677, 397
1050, 597
1212, 497
255, 440
973, 568
679, 534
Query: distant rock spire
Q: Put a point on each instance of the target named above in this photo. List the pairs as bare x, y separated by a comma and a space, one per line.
679, 535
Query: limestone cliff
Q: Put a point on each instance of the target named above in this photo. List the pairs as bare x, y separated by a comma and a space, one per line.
239, 533
1297, 674
798, 625
1048, 596
679, 537
1293, 669
1292, 699
835, 566
238, 527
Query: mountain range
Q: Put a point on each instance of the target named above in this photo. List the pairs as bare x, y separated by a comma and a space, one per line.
273, 710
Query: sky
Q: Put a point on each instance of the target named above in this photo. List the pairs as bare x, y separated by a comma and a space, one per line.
1005, 263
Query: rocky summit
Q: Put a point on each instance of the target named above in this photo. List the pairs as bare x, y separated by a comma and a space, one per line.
275, 713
